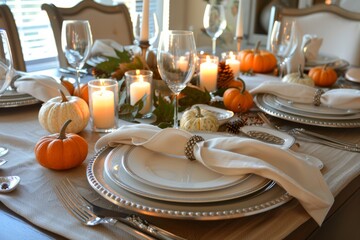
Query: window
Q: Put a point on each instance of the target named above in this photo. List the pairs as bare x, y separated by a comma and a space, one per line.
37, 41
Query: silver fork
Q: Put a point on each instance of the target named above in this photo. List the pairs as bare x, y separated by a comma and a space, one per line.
81, 209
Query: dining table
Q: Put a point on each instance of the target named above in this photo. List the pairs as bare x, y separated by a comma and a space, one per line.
33, 211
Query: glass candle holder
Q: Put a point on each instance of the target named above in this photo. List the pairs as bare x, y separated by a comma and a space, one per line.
208, 70
103, 101
139, 84
233, 60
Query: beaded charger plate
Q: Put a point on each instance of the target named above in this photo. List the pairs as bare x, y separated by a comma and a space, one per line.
12, 98
269, 197
261, 103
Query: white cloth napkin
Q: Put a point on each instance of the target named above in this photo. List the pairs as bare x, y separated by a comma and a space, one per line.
312, 44
105, 47
236, 156
39, 86
341, 98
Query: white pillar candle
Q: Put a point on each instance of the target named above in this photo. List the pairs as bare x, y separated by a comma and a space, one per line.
103, 107
233, 63
239, 22
208, 75
182, 64
138, 90
144, 35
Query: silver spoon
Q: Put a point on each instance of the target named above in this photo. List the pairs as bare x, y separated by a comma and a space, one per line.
3, 151
2, 161
8, 183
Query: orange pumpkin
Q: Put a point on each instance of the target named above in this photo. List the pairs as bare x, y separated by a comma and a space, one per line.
257, 61
68, 85
83, 92
62, 150
238, 99
323, 76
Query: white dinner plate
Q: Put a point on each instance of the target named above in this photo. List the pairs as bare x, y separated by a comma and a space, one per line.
353, 74
114, 171
222, 115
310, 108
173, 173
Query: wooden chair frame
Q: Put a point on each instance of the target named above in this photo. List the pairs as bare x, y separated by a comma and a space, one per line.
7, 22
57, 15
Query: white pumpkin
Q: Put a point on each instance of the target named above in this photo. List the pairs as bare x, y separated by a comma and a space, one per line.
197, 119
56, 111
299, 78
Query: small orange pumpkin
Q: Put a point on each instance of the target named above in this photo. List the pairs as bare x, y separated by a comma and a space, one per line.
257, 61
323, 76
62, 150
83, 92
68, 85
238, 99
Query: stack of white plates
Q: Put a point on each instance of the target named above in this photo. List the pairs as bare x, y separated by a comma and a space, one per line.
308, 113
174, 187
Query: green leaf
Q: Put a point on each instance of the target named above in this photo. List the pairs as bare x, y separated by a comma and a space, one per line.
193, 95
124, 56
164, 112
108, 66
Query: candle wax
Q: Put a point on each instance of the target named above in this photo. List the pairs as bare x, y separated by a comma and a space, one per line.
208, 76
103, 107
137, 91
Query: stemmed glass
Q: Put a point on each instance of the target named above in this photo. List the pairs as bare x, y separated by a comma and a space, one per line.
7, 70
283, 41
214, 22
176, 61
76, 42
154, 30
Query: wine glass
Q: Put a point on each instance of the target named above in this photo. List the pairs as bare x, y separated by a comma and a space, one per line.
7, 71
283, 41
214, 22
154, 30
76, 42
176, 61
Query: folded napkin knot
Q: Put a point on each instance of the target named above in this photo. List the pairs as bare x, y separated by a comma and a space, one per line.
189, 147
317, 97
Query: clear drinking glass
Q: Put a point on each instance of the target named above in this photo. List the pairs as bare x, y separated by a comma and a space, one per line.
7, 70
176, 61
76, 41
283, 41
154, 28
214, 22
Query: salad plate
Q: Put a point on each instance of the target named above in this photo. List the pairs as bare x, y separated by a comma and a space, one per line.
173, 173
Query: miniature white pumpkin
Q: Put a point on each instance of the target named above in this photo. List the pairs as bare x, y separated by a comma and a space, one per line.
197, 119
299, 77
56, 111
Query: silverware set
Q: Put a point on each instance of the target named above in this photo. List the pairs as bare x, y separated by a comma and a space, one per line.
131, 223
306, 135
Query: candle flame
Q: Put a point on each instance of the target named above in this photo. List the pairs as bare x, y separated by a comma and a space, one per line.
141, 78
137, 72
208, 58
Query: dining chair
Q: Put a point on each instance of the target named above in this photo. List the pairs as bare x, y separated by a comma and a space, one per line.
107, 22
339, 28
7, 22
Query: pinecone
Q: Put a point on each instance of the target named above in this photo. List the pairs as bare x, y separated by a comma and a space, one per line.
225, 75
233, 126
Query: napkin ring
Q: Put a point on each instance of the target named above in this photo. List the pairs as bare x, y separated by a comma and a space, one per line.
317, 97
189, 147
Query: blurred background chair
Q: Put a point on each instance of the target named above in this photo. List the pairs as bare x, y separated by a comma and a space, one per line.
7, 23
339, 28
107, 22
